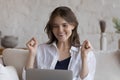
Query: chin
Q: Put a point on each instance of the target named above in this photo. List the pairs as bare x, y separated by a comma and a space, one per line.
62, 40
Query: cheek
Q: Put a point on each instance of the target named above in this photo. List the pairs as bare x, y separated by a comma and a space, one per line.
70, 31
54, 32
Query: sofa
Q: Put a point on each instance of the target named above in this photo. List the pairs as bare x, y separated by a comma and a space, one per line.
13, 60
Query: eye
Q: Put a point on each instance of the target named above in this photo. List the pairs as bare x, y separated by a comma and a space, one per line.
65, 25
55, 26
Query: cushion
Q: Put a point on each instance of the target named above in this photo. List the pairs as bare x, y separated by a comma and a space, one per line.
8, 73
108, 65
15, 57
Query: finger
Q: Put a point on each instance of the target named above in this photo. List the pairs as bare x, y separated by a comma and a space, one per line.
34, 42
88, 45
30, 43
84, 44
34, 39
29, 46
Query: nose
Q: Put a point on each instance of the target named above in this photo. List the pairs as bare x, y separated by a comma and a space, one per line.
60, 29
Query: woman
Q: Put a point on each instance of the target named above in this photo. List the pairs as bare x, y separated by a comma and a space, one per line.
63, 50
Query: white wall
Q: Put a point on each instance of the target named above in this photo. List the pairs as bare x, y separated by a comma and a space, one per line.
27, 18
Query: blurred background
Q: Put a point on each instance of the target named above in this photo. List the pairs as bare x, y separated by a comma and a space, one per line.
25, 19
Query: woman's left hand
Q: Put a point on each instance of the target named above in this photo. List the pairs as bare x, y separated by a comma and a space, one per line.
85, 48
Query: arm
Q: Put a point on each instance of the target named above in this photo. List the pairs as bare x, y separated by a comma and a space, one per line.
88, 61
84, 71
32, 47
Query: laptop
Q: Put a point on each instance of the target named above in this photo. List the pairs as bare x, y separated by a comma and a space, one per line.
47, 74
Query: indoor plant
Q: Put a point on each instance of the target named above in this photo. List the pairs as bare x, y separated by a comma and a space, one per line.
116, 22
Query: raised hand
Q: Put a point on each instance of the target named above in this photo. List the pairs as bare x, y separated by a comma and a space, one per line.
86, 47
32, 46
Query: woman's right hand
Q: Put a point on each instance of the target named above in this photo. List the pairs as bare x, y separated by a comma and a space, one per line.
32, 46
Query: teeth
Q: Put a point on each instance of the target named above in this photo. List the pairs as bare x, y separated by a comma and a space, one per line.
60, 35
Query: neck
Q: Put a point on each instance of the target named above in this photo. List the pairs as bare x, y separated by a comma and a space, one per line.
63, 46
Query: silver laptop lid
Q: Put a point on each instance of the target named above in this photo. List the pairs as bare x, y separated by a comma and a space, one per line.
46, 74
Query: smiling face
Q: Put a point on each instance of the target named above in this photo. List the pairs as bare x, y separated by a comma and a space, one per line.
62, 26
62, 30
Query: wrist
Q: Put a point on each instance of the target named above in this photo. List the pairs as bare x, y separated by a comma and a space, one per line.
83, 55
31, 54
84, 59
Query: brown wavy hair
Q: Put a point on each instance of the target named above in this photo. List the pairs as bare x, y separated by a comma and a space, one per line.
67, 14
